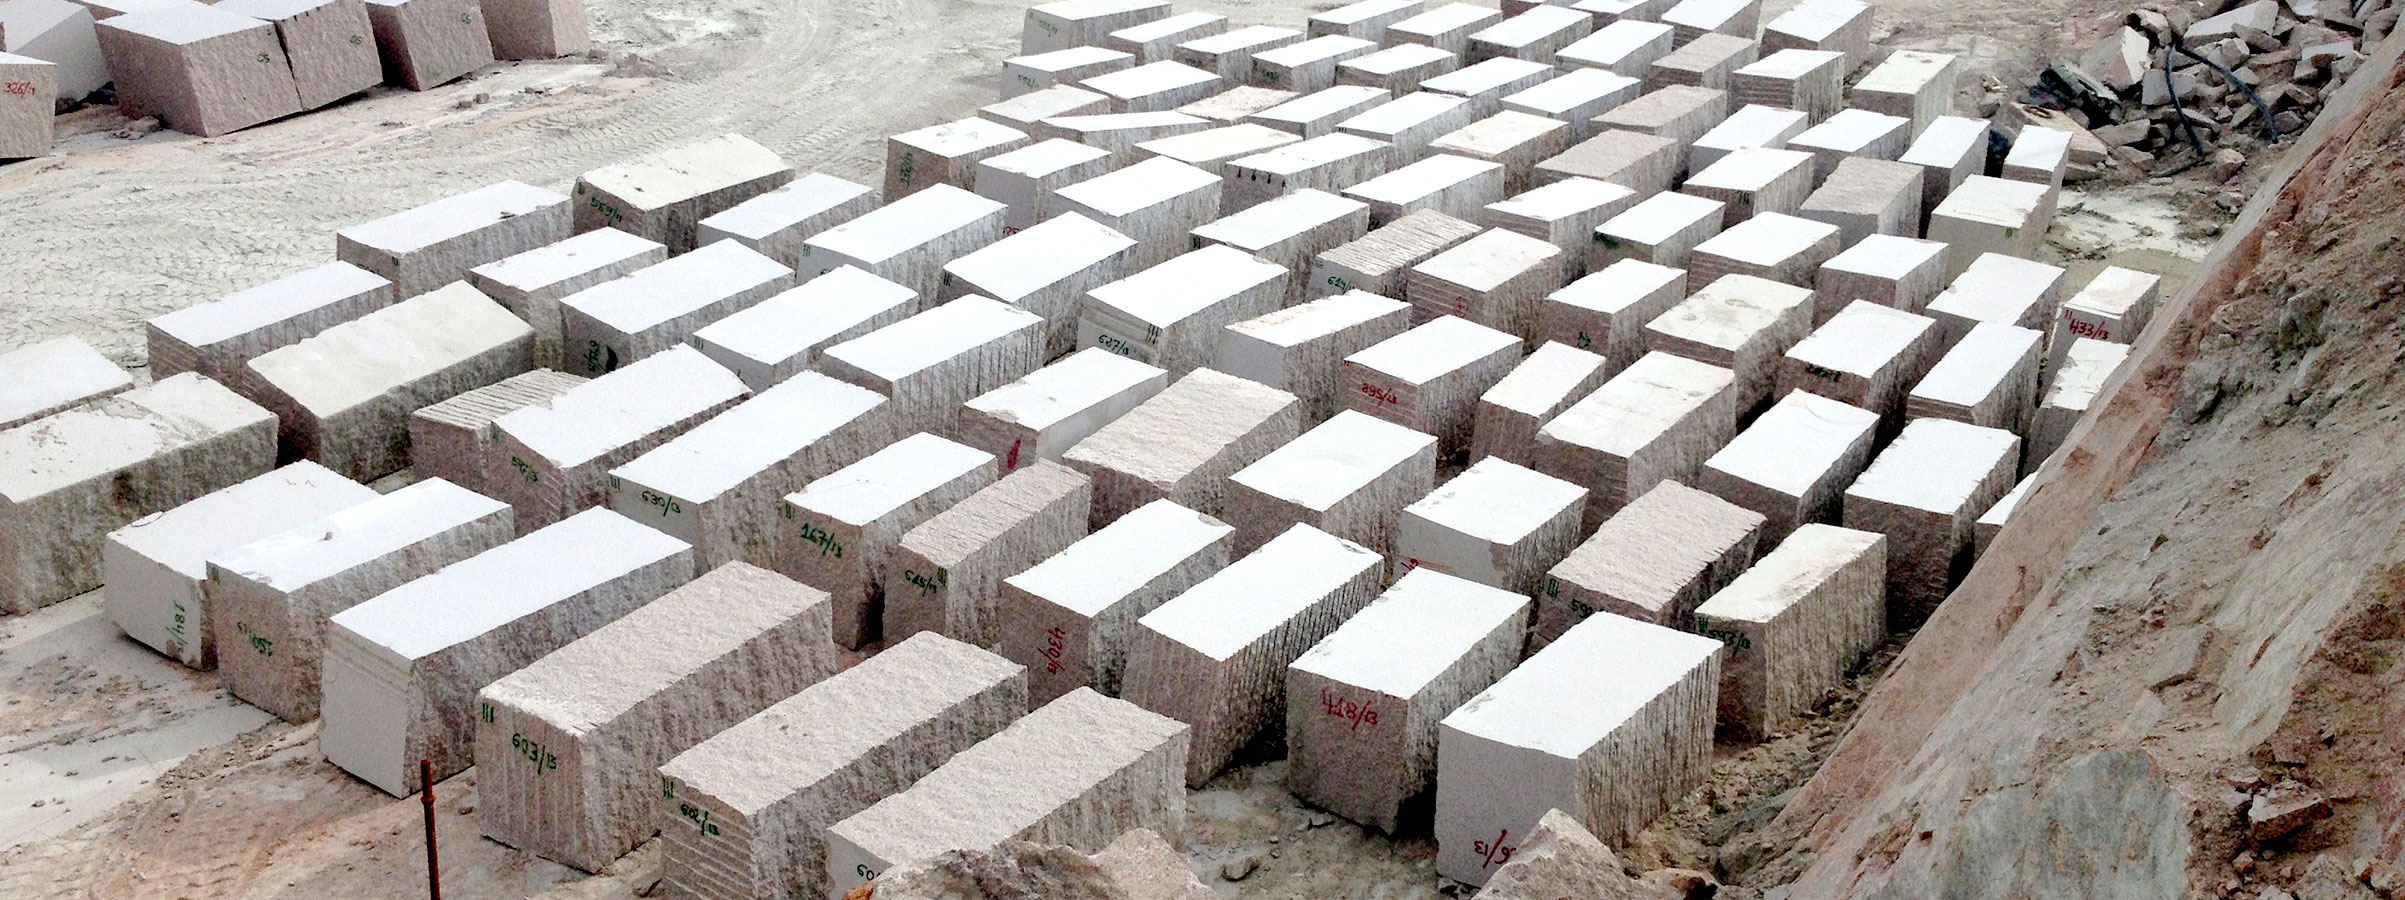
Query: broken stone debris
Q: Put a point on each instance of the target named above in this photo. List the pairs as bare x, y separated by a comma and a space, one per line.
782, 337
845, 526
1184, 442
946, 574
1794, 624
1350, 477
1497, 523
1069, 619
454, 440
55, 375
1653, 561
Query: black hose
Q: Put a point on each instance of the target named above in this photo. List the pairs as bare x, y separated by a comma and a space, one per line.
2172, 87
2271, 131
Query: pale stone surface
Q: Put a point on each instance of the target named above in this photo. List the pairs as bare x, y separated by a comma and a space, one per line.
1069, 619
776, 223
664, 196
1494, 280
1534, 35
156, 567
1070, 65
1606, 312
844, 527
54, 375
1653, 561
454, 440
1512, 139
719, 486
1612, 753
1991, 215
26, 108
1640, 162
1215, 658
343, 397
1155, 202
1042, 415
1350, 477
1739, 323
1292, 231
1487, 83
1446, 27
1229, 54
932, 362
1749, 126
59, 33
531, 284
1378, 262
402, 669
1539, 388
1558, 858
318, 39
1329, 162
538, 29
781, 337
1154, 41
1867, 355
1577, 97
433, 245
199, 69
1991, 523
1046, 270
1301, 349
1693, 18
946, 575
270, 598
1315, 114
2115, 306
945, 154
908, 241
426, 43
1564, 214
1949, 151
1626, 47
1795, 624
1771, 246
1752, 180
1704, 62
1409, 122
1843, 26
1364, 703
1678, 113
1657, 420
1914, 84
1154, 87
1496, 523
2039, 156
1306, 66
1232, 105
1897, 272
744, 813
1809, 81
2070, 389
1366, 19
1863, 197
1853, 132
1662, 229
1989, 378
1794, 462
1429, 379
1210, 150
2006, 290
1025, 110
1398, 69
1026, 783
1170, 315
1026, 179
1083, 23
1118, 133
568, 749
1183, 443
1924, 492
553, 457
662, 306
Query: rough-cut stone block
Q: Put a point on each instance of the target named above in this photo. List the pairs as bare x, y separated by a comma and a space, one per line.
1429, 379
946, 575
1842, 26
1661, 229
1534, 35
1025, 110
1770, 246
1795, 625
1046, 270
1863, 197
1154, 87
744, 813
1564, 214
1379, 262
1454, 185
1229, 54
454, 440
782, 336
1914, 84
1750, 126
1216, 656
1607, 11
945, 154
1301, 349
1576, 98
1305, 66
1997, 288
1119, 133
59, 33
2071, 388
1867, 355
343, 397
1291, 231
776, 223
1654, 561
1992, 216
28, 95
531, 284
1989, 378
1924, 492
1234, 104
842, 528
1494, 279
1543, 385
1398, 70
659, 307
425, 43
1070, 618
1350, 477
1949, 151
433, 245
1411, 121
1755, 180
568, 749
2039, 156
156, 567
932, 362
719, 486
1625, 47
1739, 323
1053, 68
1612, 753
1210, 150
1156, 203
1991, 523
1363, 704
1170, 315
1640, 162
1704, 62
402, 669
1497, 523
1793, 463
1695, 18
538, 29
1183, 443
553, 457
1083, 23
1678, 113
325, 41
1487, 83
199, 69
55, 375
1154, 41
269, 599
1657, 420
2115, 307
665, 196
1026, 179
1515, 140
1367, 19
1317, 113
1809, 81
1607, 311
1853, 133
1042, 415
1895, 272
1446, 27
1329, 163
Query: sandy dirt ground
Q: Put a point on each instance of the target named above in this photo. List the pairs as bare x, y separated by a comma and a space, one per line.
125, 775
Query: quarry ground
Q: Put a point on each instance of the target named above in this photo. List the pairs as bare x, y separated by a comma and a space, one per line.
124, 775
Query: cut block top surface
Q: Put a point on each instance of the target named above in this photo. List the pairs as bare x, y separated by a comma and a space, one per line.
1905, 72
271, 10
355, 535
1704, 14
1314, 50
1138, 186
2039, 148
1849, 130
357, 361
1433, 348
1396, 59
35, 17
1654, 219
39, 376
1324, 102
1038, 105
1074, 10
1541, 381
1445, 18
1208, 408
1534, 24
815, 311
688, 171
1615, 41
596, 678
1186, 284
1793, 444
1497, 501
1753, 125
1040, 256
1792, 63
1237, 102
1334, 459
1638, 405
1479, 78
1730, 311
992, 512
474, 410
501, 585
248, 310
541, 266
1969, 371
924, 340
2002, 512
888, 231
752, 436
1558, 95
1412, 633
776, 210
1240, 139
1935, 464
1946, 141
680, 286
1997, 288
1788, 574
1750, 168
1885, 256
1486, 262
1767, 238
1168, 27
1307, 154
1318, 318
1365, 10
1047, 396
1421, 179
961, 137
1618, 286
1118, 558
1500, 132
1654, 546
2113, 292
610, 411
908, 468
64, 448
1149, 78
1414, 235
185, 537
1663, 105
1560, 199
181, 24
451, 217
2086, 367
1254, 595
1861, 338
1044, 157
1817, 20
1282, 217
1993, 201
802, 740
1554, 704
1394, 116
1235, 39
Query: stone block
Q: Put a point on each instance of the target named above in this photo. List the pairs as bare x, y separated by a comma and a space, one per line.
1863, 197
1398, 69
1895, 272
1025, 179
776, 223
1184, 442
932, 362
1210, 150
57, 375
426, 43
1695, 18
1411, 121
1663, 229
1626, 47
1379, 262
1229, 54
2006, 290
1853, 133
1498, 524
946, 575
1487, 83
553, 457
1534, 35
1794, 462
945, 154
1156, 40
28, 98
662, 306
2039, 156
1771, 246
1025, 110
1171, 315
1991, 523
1657, 420
1066, 66
1654, 561
1292, 230
1949, 151
1704, 62
1539, 388
1606, 312
1301, 349
1750, 126
1156, 203
1350, 477
1042, 415
1678, 113
441, 242
531, 284
2071, 388
1083, 23
537, 29
1739, 323
1988, 378
1046, 270
1576, 98
844, 527
1842, 26
1755, 180
1454, 185
1231, 106
1070, 618
1642, 163
1914, 84
1429, 379
1515, 140
2114, 307
664, 196
1795, 625
326, 41
1154, 87
781, 337
199, 69
1924, 492
1446, 27
1367, 19
1808, 81
1305, 66
454, 440
59, 33
1316, 114
1867, 355
1328, 163
1609, 11
1564, 214
1992, 216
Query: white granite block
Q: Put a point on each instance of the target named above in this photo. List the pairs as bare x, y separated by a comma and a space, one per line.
55, 375
1950, 150
782, 336
1754, 180
316, 36
427, 43
1867, 355
1454, 185
1154, 87
1795, 625
1379, 261
1515, 140
2006, 290
1301, 349
1409, 122
944, 154
1640, 162
1155, 202
1607, 311
1704, 62
1923, 492
1989, 378
659, 307
1794, 462
1657, 420
1229, 54
2115, 307
1305, 66
59, 33
1808, 81
1170, 315
1316, 114
1429, 378
1065, 66
946, 574
1487, 83
1863, 197
554, 456
1329, 163
844, 527
538, 29
1853, 132
775, 223
1230, 106
439, 243
1183, 443
1154, 41
531, 284
1914, 84
1770, 246
1534, 35
1564, 214
1083, 23
28, 101
1609, 11
1494, 279
1626, 47
454, 440
1539, 388
1349, 476
1446, 27
1895, 272
932, 362
1046, 270
1843, 26
1210, 150
1693, 18
2071, 388
1654, 561
1292, 231
1025, 110
1366, 19
1749, 126
196, 68
1025, 179
909, 240
1662, 229
1679, 113
665, 196
1398, 69
1992, 216
1498, 524
1992, 522
217, 337
1070, 618
1045, 413
1739, 323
